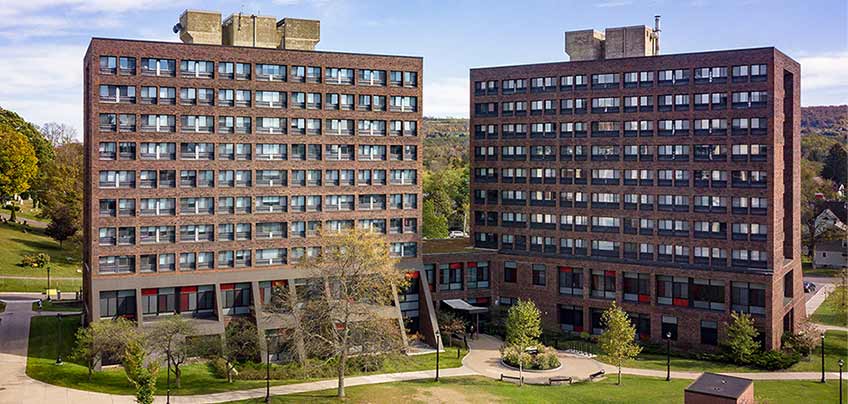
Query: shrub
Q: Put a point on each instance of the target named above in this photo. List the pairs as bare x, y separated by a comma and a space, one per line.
39, 260
218, 367
774, 360
545, 359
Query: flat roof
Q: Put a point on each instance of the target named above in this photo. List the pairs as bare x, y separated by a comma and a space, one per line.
764, 48
97, 38
448, 245
717, 385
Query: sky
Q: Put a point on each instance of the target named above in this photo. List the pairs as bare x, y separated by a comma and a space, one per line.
42, 42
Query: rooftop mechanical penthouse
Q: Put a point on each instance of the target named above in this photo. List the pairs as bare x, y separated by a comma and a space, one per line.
212, 164
668, 183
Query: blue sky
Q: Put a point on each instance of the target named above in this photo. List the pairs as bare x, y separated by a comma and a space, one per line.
43, 41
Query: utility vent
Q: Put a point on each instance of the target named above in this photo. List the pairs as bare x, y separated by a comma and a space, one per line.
205, 27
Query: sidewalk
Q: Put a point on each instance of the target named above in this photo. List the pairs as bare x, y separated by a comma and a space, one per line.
817, 299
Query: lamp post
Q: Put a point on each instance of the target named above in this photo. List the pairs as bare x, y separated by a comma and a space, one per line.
59, 348
48, 283
438, 344
841, 363
822, 356
168, 376
668, 356
268, 369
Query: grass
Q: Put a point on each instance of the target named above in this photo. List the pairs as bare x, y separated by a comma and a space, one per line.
28, 212
476, 389
807, 268
16, 243
835, 348
38, 285
831, 312
197, 378
54, 305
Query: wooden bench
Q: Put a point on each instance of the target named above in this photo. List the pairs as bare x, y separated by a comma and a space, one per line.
597, 374
558, 380
512, 378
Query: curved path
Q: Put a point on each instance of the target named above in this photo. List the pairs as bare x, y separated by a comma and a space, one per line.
484, 359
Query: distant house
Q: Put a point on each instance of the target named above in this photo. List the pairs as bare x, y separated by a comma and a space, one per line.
833, 214
832, 254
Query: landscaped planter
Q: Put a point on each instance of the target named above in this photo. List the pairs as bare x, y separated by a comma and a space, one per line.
515, 368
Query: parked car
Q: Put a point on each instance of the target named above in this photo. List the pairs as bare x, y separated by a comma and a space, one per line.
809, 287
457, 234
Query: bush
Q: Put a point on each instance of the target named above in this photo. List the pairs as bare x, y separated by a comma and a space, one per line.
544, 360
774, 360
218, 367
39, 260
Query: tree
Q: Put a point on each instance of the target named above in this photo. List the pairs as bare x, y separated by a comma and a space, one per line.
435, 225
168, 337
40, 146
142, 377
836, 164
62, 192
804, 340
58, 134
18, 166
523, 324
241, 342
741, 345
103, 339
343, 306
450, 324
618, 340
62, 225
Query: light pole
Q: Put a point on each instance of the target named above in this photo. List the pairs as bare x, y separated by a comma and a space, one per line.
668, 356
822, 356
168, 376
59, 349
438, 343
841, 363
48, 283
268, 369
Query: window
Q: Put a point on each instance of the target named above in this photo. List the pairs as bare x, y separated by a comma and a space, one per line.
709, 332
708, 294
603, 284
478, 275
118, 303
672, 290
236, 298
748, 297
570, 281
539, 276
450, 276
571, 318
637, 287
510, 272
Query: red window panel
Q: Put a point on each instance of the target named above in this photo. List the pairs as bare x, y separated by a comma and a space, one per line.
188, 289
578, 328
184, 301
482, 300
456, 265
228, 286
281, 283
680, 302
149, 292
609, 273
412, 275
565, 269
644, 298
471, 265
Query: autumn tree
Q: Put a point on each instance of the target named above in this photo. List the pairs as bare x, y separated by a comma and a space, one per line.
18, 166
103, 339
62, 225
618, 341
41, 148
168, 337
345, 306
62, 193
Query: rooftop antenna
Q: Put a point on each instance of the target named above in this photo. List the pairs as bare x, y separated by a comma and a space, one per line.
657, 31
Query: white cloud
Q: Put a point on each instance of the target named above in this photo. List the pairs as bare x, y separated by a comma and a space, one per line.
446, 97
613, 3
86, 6
43, 83
823, 79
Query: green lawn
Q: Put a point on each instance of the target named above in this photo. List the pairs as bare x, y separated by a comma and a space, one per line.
836, 347
38, 285
196, 379
27, 212
634, 389
15, 243
54, 305
831, 312
807, 267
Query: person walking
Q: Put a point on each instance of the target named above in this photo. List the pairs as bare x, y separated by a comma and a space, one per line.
40, 306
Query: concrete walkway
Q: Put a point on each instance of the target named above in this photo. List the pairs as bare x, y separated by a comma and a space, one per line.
30, 222
817, 299
484, 358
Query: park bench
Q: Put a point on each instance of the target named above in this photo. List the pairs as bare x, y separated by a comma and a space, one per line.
511, 378
558, 380
597, 374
